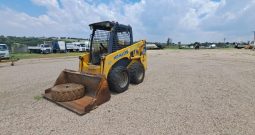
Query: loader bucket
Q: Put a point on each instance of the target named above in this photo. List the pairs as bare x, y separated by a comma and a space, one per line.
96, 91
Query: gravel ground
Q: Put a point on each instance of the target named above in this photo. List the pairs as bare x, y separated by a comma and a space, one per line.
185, 92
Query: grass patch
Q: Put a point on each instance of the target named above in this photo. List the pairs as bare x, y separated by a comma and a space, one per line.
37, 98
52, 55
172, 48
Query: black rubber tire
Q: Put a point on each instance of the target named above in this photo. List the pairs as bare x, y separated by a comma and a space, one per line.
137, 73
67, 92
118, 79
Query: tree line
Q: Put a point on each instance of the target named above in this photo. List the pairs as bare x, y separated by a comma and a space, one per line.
31, 41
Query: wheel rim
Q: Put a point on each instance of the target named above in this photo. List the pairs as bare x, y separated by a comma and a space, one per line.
123, 79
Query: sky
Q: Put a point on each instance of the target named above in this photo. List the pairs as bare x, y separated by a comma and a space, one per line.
154, 20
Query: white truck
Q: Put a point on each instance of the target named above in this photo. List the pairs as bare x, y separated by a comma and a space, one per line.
77, 46
84, 46
4, 52
42, 48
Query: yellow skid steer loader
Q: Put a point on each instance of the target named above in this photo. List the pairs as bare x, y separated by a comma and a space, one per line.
112, 63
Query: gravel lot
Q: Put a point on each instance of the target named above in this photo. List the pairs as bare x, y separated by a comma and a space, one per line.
184, 92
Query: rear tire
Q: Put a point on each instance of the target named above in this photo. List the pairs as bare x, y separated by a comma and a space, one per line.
137, 73
118, 79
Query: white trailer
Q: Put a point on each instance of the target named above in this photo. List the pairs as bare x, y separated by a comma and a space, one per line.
59, 46
42, 48
72, 47
62, 46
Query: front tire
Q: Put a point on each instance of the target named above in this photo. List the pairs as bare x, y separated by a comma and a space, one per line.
118, 79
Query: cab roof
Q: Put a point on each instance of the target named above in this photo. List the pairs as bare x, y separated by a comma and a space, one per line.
108, 25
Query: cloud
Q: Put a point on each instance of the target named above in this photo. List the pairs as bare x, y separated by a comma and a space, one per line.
21, 24
235, 20
47, 3
186, 21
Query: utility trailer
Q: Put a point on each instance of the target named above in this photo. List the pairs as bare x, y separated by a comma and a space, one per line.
42, 48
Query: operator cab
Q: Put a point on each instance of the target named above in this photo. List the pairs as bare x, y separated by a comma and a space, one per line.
108, 37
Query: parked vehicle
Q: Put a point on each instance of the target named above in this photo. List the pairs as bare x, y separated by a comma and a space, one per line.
151, 46
78, 46
72, 47
59, 46
84, 46
42, 48
252, 43
4, 52
239, 45
212, 46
